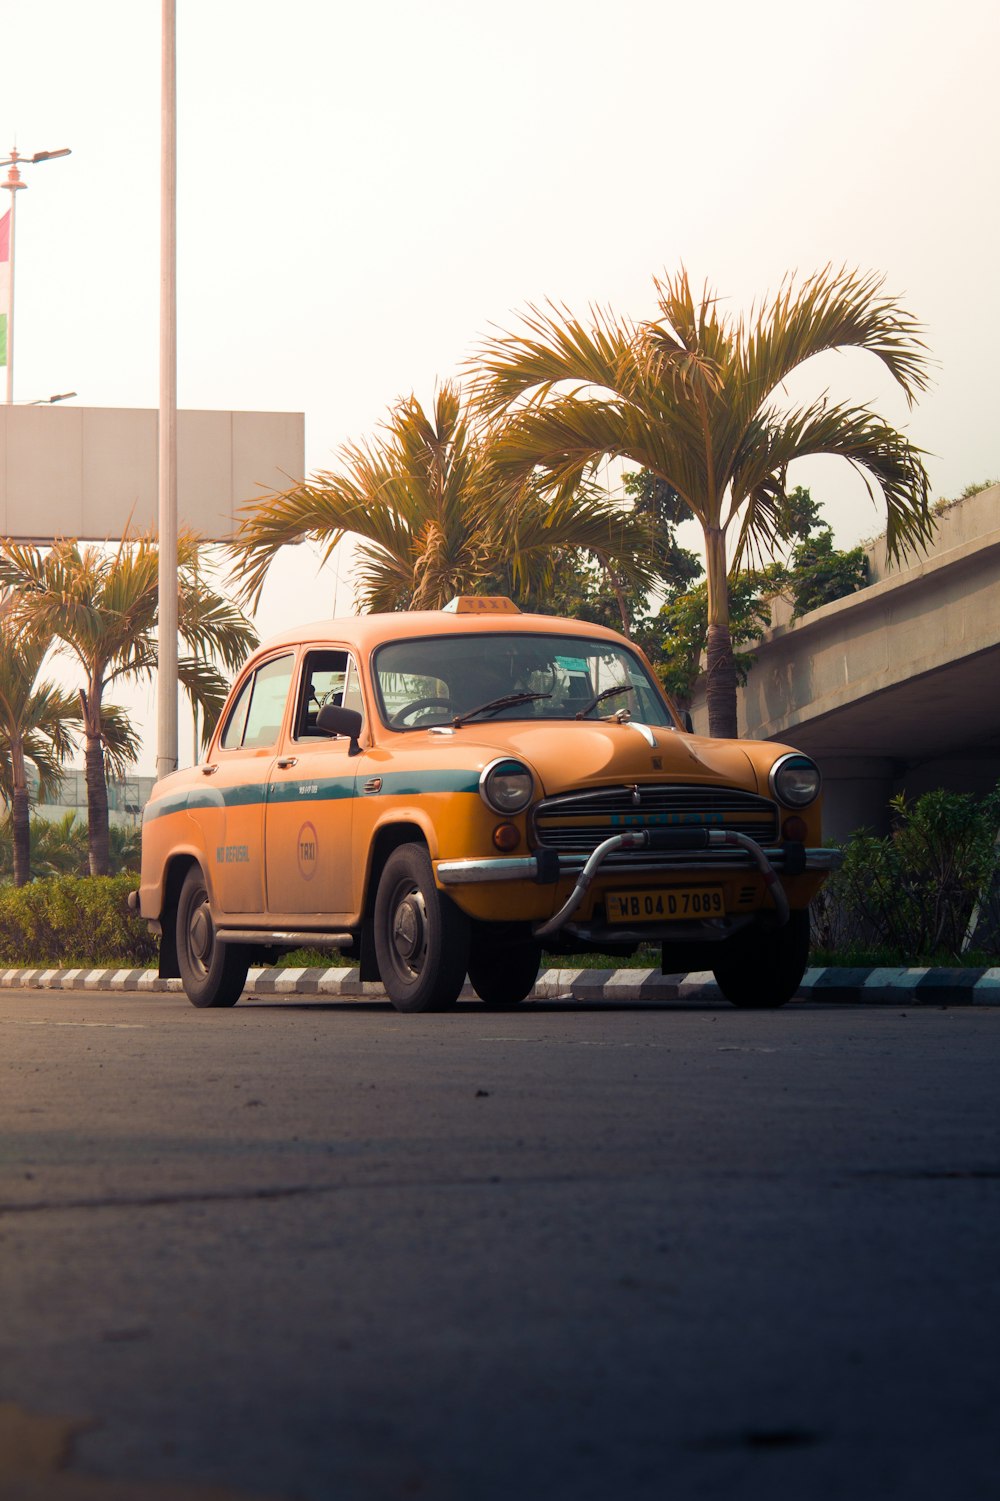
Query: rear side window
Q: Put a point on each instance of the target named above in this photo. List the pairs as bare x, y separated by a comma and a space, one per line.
256, 717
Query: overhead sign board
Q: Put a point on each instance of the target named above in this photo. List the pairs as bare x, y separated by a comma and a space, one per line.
87, 471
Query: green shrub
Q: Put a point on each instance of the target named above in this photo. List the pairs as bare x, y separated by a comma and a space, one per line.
59, 847
911, 896
73, 920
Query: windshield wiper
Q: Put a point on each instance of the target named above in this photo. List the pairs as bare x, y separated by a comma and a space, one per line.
496, 704
608, 693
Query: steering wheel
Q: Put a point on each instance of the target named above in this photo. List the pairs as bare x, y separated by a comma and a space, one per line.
399, 719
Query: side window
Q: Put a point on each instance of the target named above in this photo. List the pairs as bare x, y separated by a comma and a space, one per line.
328, 677
232, 735
256, 718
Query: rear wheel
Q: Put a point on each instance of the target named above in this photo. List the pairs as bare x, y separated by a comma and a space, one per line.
763, 967
212, 973
421, 937
503, 968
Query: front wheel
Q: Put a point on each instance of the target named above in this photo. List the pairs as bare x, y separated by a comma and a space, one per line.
212, 973
502, 968
421, 937
763, 967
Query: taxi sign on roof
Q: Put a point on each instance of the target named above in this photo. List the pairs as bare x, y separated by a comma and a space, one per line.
481, 604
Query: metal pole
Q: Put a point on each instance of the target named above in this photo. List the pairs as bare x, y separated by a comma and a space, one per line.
13, 184
166, 716
10, 300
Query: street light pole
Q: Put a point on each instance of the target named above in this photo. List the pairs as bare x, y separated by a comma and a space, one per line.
13, 184
166, 673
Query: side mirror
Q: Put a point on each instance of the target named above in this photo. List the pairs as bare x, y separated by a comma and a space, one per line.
334, 720
688, 722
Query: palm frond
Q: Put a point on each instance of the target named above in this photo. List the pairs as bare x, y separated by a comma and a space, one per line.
833, 309
206, 688
891, 466
550, 349
120, 742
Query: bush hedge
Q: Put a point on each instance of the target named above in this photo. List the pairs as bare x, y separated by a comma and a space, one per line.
928, 893
64, 921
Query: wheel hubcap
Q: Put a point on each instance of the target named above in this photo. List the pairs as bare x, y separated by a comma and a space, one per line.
200, 934
409, 930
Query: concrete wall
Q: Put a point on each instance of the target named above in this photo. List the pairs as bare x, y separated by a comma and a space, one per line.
897, 687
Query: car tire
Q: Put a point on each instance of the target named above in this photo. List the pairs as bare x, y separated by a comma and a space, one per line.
762, 968
421, 937
502, 969
212, 973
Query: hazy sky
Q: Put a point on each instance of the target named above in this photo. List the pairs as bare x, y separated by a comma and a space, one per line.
363, 190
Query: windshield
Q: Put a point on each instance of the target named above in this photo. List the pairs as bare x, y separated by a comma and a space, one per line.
438, 679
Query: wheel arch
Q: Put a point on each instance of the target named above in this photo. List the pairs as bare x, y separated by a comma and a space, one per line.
387, 838
173, 879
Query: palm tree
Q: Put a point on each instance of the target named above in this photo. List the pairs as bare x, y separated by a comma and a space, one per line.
693, 397
434, 517
58, 847
101, 607
35, 728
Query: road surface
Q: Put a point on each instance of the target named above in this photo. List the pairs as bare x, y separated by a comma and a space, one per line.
329, 1252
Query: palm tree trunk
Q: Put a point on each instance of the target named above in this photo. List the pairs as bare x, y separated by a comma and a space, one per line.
21, 830
619, 594
720, 686
98, 839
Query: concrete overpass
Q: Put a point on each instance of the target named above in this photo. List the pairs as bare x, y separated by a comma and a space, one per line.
895, 688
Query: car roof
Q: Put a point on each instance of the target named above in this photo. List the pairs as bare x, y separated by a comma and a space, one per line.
368, 631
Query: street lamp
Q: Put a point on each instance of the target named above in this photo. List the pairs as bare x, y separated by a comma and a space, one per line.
13, 183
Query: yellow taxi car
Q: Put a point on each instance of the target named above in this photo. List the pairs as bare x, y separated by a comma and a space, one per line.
452, 792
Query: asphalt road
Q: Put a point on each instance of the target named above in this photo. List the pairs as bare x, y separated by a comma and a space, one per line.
329, 1252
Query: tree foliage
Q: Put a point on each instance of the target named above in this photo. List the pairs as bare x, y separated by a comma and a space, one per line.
432, 517
695, 398
815, 573
912, 894
59, 847
585, 586
99, 605
36, 724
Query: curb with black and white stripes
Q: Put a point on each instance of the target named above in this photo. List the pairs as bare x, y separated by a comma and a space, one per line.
931, 987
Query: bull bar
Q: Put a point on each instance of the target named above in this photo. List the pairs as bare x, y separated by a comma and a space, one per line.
547, 866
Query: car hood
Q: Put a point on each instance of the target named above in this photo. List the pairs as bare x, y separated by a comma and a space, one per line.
572, 755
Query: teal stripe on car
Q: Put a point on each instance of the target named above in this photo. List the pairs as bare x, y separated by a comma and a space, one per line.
306, 789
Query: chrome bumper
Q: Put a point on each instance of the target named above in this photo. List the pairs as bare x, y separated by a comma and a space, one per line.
675, 846
527, 868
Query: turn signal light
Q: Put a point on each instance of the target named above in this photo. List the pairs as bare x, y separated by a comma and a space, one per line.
506, 836
794, 829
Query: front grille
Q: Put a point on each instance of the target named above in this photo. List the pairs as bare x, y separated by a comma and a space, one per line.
576, 822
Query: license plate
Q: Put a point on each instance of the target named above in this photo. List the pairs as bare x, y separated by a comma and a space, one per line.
672, 904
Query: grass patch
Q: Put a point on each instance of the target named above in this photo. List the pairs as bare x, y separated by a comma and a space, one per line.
858, 956
317, 959
646, 958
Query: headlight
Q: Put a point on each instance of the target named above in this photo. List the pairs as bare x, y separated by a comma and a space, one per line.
506, 786
795, 781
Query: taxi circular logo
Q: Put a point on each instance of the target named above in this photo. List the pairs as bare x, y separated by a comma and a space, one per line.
307, 850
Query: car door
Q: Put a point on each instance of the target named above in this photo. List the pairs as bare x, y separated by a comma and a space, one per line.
310, 802
230, 806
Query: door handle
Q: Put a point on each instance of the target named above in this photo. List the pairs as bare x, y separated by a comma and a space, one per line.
285, 761
208, 771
